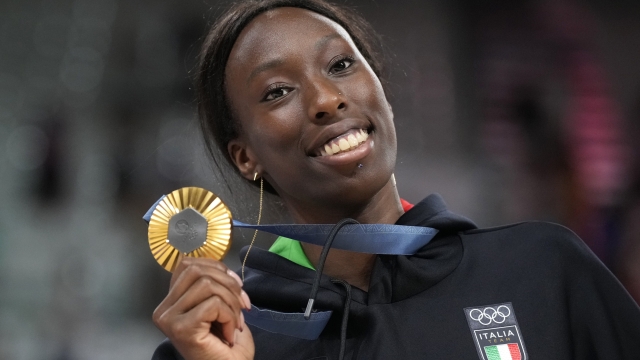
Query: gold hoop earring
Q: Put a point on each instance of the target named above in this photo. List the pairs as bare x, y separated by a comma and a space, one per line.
255, 233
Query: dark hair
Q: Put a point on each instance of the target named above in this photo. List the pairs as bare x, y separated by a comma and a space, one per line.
216, 118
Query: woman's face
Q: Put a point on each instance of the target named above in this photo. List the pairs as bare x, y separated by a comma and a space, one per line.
314, 118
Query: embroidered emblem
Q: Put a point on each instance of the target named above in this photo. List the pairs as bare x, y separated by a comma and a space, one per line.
496, 332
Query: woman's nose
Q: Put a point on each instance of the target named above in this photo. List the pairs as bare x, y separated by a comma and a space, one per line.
326, 102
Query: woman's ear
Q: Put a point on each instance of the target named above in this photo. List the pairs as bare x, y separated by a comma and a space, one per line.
244, 158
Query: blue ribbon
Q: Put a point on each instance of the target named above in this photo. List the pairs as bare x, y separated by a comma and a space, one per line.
364, 238
147, 215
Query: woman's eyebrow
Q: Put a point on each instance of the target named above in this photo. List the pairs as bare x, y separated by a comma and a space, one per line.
323, 41
264, 67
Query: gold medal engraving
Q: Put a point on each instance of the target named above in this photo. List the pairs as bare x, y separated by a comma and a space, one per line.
189, 222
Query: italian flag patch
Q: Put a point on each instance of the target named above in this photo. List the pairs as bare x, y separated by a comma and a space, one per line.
503, 352
496, 332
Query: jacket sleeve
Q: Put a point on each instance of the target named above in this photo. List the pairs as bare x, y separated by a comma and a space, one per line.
166, 351
604, 319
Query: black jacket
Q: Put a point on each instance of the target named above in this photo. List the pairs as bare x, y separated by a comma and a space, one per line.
535, 286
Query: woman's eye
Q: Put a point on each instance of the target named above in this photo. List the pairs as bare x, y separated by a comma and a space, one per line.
341, 65
276, 93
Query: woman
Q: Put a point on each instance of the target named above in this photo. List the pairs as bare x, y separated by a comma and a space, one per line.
291, 93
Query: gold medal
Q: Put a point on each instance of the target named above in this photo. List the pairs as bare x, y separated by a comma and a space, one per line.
189, 222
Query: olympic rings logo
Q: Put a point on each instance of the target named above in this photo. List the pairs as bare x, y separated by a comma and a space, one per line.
489, 315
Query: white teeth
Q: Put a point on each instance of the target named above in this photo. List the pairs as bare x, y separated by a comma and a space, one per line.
345, 143
352, 140
328, 150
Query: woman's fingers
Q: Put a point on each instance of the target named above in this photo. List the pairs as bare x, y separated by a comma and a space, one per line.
190, 262
204, 288
243, 294
215, 310
191, 270
235, 276
205, 332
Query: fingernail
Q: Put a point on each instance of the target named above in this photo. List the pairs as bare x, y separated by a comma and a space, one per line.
235, 276
241, 321
245, 298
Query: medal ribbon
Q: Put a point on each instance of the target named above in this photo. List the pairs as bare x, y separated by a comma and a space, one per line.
382, 239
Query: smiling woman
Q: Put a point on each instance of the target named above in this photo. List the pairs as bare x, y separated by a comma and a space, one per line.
297, 84
290, 92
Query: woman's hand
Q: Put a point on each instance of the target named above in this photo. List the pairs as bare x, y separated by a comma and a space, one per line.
202, 314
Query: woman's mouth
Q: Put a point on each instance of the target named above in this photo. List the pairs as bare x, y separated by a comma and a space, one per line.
346, 142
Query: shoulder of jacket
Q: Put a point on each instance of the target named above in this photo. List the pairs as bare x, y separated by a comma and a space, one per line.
537, 233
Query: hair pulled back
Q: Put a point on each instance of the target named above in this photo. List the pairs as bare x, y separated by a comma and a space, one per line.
216, 118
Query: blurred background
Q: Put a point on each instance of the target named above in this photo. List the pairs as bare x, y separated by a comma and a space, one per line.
512, 110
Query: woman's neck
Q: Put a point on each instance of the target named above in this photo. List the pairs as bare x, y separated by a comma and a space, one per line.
355, 268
